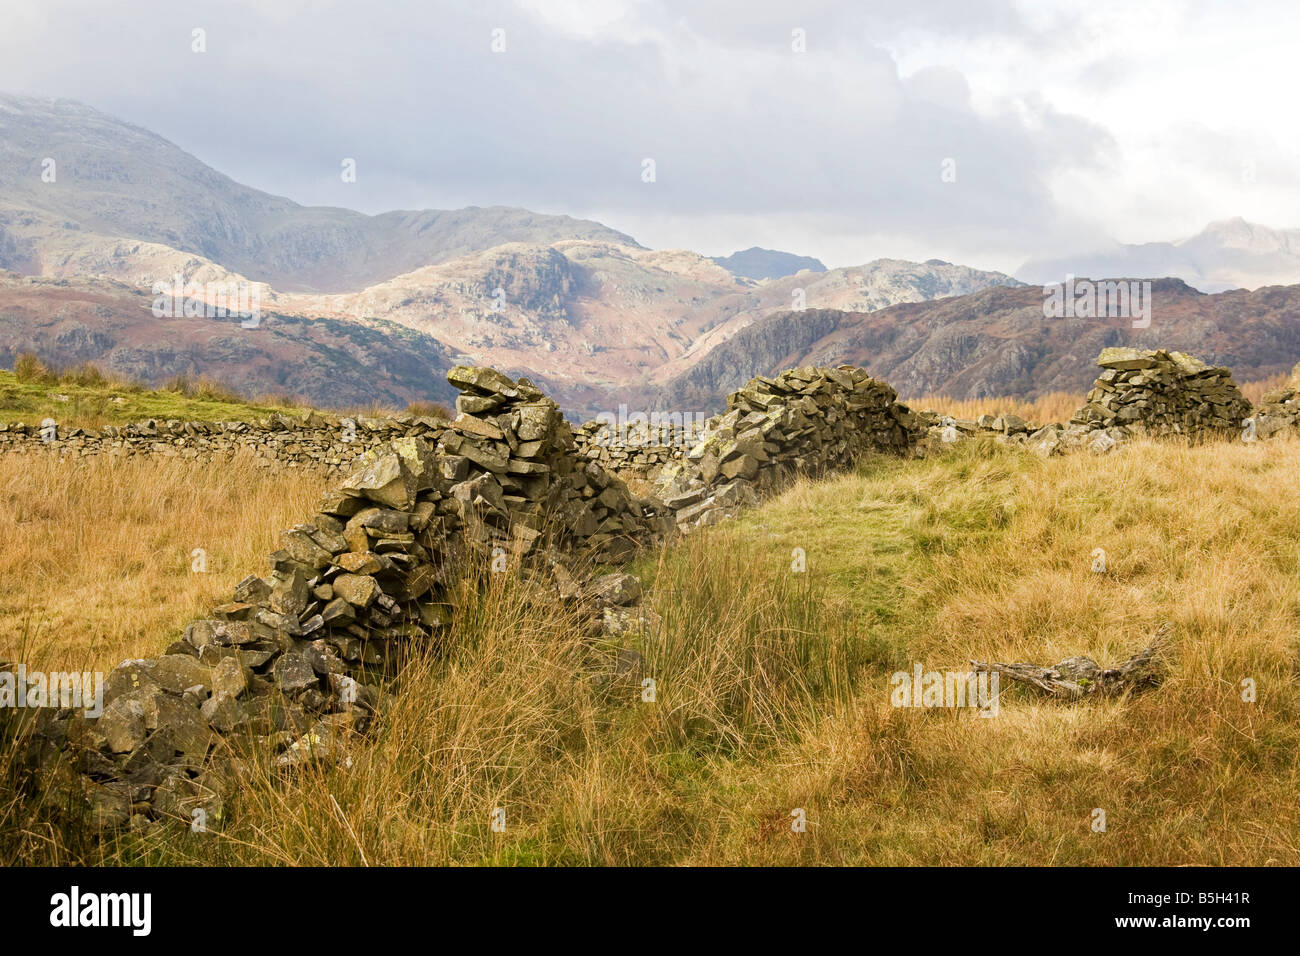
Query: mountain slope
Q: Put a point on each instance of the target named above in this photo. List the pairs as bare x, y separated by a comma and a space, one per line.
581, 308
330, 362
592, 320
997, 342
113, 180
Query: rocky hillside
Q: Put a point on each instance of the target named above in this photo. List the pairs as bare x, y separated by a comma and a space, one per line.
114, 181
593, 320
331, 363
579, 307
997, 342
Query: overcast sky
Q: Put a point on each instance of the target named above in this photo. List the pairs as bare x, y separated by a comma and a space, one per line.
1065, 123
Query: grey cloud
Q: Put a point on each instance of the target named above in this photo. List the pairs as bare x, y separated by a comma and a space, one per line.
737, 123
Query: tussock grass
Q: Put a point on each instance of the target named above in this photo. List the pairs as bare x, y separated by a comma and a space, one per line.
98, 551
772, 687
1052, 407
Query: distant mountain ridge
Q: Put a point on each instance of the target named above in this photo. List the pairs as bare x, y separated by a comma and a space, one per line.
756, 263
1231, 254
593, 321
583, 309
997, 342
114, 180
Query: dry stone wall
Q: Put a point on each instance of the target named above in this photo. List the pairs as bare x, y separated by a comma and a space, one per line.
804, 421
1138, 393
294, 662
321, 443
637, 450
1278, 412
1161, 393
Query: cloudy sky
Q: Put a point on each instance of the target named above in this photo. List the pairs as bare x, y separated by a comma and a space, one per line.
822, 128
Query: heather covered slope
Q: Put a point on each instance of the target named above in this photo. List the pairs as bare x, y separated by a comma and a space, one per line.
328, 362
998, 342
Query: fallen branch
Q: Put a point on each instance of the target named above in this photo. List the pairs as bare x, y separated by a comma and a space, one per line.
1077, 677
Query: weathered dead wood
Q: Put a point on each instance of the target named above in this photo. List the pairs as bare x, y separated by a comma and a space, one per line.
1077, 677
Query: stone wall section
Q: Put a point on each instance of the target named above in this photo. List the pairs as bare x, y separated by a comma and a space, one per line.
314, 442
805, 421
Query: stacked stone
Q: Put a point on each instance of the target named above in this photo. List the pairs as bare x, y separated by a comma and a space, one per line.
316, 442
639, 451
526, 471
941, 431
804, 421
290, 662
1161, 393
1279, 410
1145, 393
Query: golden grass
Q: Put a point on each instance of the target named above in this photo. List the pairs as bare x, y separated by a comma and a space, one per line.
773, 687
1204, 537
1254, 391
97, 557
1053, 407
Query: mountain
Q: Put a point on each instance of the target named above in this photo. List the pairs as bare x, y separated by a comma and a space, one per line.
997, 342
1232, 254
592, 322
586, 311
756, 263
114, 181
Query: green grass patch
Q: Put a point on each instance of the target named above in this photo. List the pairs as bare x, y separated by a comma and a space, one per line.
113, 403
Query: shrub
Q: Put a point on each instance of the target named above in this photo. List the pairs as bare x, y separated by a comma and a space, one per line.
85, 374
28, 368
210, 390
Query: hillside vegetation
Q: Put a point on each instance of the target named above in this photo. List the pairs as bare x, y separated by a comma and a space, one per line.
773, 688
91, 401
996, 341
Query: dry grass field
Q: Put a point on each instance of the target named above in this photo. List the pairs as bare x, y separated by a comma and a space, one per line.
99, 552
773, 688
1054, 407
